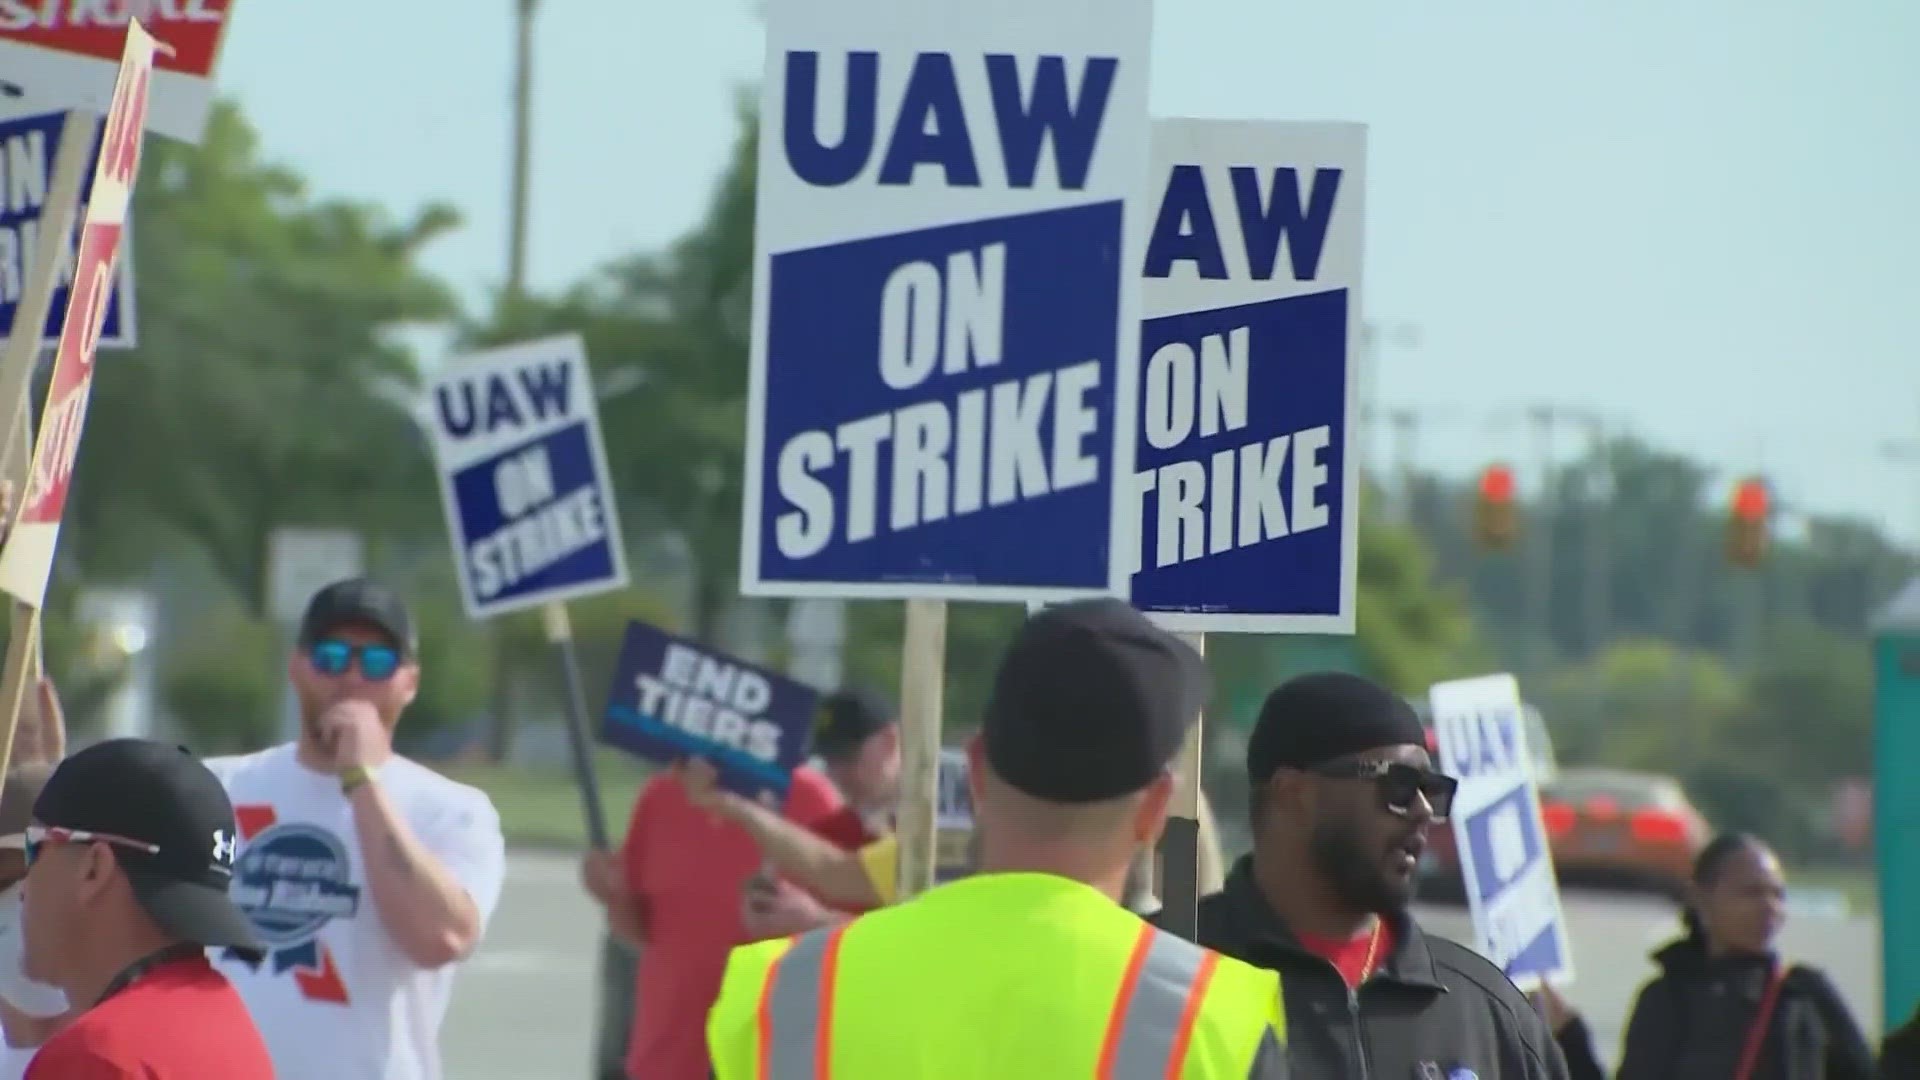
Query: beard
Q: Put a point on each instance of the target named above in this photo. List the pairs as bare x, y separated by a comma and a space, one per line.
1358, 876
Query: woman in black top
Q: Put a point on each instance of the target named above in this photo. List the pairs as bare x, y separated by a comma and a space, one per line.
1725, 1006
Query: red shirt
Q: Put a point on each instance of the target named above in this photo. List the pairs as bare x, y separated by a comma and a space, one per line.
180, 1021
686, 868
1350, 957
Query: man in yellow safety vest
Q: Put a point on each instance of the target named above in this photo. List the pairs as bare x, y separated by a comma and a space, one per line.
1030, 967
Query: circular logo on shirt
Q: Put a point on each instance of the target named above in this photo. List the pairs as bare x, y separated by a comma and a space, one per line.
292, 880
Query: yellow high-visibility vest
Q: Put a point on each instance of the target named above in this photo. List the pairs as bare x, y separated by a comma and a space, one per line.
994, 977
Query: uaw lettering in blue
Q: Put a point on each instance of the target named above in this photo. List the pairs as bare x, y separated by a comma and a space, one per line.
1483, 742
931, 126
1265, 485
535, 520
1186, 228
990, 446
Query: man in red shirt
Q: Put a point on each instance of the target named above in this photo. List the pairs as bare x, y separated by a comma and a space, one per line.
674, 890
129, 861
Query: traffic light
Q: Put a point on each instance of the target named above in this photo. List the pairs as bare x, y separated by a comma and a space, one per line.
1747, 524
1496, 519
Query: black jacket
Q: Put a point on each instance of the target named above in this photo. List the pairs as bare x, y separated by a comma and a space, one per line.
1900, 1053
1434, 1010
1691, 1023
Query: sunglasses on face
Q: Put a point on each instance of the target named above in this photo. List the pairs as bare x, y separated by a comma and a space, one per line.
1399, 784
331, 656
38, 836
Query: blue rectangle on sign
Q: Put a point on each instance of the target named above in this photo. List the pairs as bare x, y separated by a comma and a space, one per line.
29, 147
1503, 840
550, 535
975, 462
673, 698
1242, 510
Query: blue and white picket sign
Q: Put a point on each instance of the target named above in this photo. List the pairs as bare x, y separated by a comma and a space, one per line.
1512, 892
29, 146
945, 303
1246, 473
523, 477
673, 698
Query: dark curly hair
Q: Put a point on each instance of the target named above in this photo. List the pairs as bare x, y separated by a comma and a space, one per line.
1706, 872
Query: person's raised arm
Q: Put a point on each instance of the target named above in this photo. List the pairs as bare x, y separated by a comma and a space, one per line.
832, 873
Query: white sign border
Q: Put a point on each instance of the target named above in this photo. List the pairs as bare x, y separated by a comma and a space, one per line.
574, 349
1505, 687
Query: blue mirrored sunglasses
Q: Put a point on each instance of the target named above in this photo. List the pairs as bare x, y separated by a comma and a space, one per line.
331, 656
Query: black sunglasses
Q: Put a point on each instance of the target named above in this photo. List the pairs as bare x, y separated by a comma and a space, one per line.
1398, 784
331, 656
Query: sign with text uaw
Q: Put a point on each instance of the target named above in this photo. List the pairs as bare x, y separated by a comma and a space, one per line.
945, 300
1245, 473
673, 698
1511, 889
28, 146
27, 559
524, 478
57, 55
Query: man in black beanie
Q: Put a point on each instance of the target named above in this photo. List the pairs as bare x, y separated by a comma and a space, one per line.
1343, 793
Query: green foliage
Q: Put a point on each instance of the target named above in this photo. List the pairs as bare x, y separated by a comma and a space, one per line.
264, 319
1642, 704
223, 686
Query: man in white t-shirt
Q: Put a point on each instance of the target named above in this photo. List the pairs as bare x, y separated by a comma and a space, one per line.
366, 875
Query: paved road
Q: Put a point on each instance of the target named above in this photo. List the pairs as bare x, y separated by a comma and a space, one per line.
523, 1009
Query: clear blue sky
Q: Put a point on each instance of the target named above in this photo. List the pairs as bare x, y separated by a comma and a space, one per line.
1697, 216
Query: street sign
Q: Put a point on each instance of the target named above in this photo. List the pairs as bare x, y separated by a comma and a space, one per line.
523, 477
945, 305
57, 55
1512, 892
27, 558
1245, 476
301, 562
28, 146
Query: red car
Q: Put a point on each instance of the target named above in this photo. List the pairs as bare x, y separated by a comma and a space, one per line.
1611, 825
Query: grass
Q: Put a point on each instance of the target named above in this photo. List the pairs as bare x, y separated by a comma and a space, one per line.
540, 807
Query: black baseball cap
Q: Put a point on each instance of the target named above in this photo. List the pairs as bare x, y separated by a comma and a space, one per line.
159, 795
846, 718
1312, 719
359, 602
1091, 702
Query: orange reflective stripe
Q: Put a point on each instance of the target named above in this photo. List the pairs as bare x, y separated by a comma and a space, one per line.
1156, 1009
796, 1009
1116, 1022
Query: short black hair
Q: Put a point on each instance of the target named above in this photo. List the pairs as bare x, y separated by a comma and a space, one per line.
1707, 868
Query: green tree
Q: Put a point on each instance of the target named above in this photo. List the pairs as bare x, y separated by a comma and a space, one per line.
264, 324
1643, 704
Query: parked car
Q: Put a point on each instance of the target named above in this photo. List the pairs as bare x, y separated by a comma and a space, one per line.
1615, 826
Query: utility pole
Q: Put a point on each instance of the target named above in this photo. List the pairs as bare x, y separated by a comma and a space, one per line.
519, 179
522, 163
1540, 536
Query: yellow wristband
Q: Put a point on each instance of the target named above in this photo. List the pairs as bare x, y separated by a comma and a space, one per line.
353, 776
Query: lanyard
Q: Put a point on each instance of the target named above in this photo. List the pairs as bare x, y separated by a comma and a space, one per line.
134, 972
1757, 1030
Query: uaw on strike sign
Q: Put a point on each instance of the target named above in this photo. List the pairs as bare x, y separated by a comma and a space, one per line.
28, 147
1497, 828
1245, 476
60, 54
28, 557
523, 477
947, 253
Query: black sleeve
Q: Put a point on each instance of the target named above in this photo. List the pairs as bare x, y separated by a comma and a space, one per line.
1576, 1045
1270, 1061
1899, 1059
1653, 1034
1848, 1056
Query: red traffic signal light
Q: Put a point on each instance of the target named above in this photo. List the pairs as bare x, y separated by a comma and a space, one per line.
1496, 519
1496, 484
1747, 523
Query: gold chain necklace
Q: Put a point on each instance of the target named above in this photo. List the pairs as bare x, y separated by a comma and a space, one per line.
1373, 946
